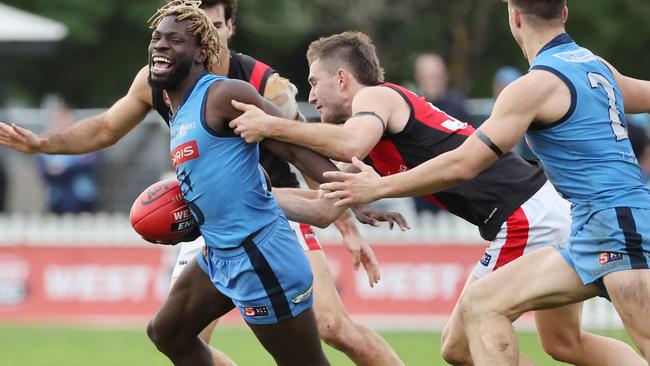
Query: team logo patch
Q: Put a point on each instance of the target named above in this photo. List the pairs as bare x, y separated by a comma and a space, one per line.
302, 296
486, 259
184, 152
255, 311
608, 257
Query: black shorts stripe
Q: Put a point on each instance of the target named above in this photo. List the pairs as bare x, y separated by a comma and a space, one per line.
270, 282
632, 238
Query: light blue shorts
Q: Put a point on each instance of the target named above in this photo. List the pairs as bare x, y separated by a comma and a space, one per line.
606, 241
268, 277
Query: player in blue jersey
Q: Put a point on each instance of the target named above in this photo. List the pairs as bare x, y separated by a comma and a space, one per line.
253, 260
570, 106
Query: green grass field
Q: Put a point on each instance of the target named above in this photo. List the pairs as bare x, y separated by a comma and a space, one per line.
58, 346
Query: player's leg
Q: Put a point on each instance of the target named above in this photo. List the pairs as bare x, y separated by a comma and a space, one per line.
274, 294
188, 251
361, 344
630, 294
540, 222
192, 304
292, 342
627, 259
562, 338
539, 280
454, 344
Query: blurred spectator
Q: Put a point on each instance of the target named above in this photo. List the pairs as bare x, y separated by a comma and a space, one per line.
432, 82
71, 179
641, 147
503, 77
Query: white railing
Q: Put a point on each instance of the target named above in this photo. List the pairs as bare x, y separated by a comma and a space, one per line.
106, 228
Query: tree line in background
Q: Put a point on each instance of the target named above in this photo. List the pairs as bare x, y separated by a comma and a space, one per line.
108, 40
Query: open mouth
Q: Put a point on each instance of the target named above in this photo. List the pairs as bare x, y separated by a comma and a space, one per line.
160, 65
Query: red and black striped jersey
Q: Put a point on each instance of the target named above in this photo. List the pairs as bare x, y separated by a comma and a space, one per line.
246, 68
488, 199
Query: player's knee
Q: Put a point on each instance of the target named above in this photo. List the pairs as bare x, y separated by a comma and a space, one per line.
154, 333
161, 337
451, 349
455, 355
335, 329
561, 349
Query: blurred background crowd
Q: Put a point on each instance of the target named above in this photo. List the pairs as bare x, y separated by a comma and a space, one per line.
458, 54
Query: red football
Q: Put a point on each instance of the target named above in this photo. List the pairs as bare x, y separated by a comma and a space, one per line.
161, 213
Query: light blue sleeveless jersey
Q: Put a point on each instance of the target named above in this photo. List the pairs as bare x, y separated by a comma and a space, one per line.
587, 154
218, 174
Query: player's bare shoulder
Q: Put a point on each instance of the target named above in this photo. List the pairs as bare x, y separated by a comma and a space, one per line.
384, 101
540, 91
219, 109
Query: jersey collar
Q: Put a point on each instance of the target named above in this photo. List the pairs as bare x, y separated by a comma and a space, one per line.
187, 95
561, 39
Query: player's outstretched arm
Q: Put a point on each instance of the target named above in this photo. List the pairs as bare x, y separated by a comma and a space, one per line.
522, 102
91, 134
303, 205
340, 142
636, 92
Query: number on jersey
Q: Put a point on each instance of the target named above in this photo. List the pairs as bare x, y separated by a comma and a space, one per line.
618, 126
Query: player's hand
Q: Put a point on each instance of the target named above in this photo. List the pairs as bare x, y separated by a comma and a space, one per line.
251, 124
191, 236
20, 139
366, 214
362, 254
353, 188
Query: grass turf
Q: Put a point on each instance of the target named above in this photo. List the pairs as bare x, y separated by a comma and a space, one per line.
54, 346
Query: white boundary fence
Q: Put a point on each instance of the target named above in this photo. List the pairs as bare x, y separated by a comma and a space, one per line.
114, 230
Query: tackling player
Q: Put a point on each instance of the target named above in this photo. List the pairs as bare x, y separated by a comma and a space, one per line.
571, 106
511, 202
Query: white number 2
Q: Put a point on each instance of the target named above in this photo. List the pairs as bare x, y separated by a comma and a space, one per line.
617, 125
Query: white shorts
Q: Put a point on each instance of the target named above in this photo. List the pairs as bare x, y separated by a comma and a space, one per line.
543, 220
305, 234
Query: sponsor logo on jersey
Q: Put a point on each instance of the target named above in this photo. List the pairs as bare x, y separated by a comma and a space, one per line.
255, 311
184, 152
182, 131
302, 296
182, 219
454, 125
486, 259
577, 56
608, 257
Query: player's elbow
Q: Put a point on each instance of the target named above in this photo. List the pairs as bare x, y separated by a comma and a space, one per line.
109, 138
350, 150
460, 172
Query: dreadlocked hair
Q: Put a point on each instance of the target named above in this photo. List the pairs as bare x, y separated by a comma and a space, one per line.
200, 26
